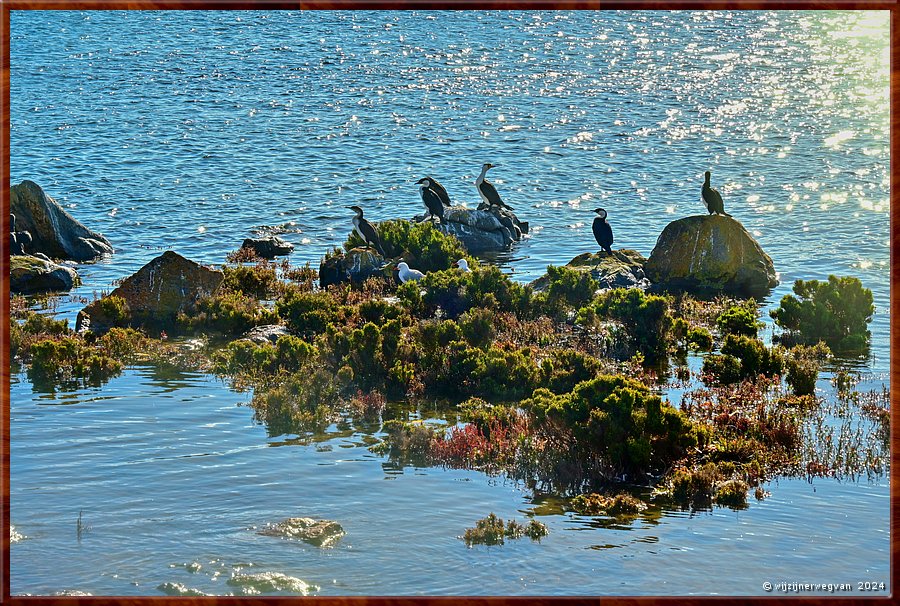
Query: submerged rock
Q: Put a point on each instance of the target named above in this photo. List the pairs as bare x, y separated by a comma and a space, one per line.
177, 589
53, 231
270, 582
268, 247
155, 294
623, 268
29, 274
710, 254
356, 265
321, 533
481, 230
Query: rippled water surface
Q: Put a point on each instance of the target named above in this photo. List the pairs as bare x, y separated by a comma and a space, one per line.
193, 130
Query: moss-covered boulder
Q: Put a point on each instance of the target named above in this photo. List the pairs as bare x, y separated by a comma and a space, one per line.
356, 265
710, 254
482, 230
54, 232
29, 275
154, 296
623, 268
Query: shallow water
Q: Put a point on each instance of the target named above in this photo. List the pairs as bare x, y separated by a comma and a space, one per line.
192, 131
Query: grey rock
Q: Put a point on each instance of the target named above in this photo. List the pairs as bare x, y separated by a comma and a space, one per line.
29, 275
54, 231
268, 333
268, 247
356, 265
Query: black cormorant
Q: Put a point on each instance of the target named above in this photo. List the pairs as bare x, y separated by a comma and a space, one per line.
366, 231
712, 198
440, 191
487, 191
431, 199
602, 230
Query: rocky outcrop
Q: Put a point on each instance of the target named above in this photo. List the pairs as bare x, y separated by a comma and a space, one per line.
321, 533
482, 230
356, 265
29, 275
269, 333
268, 247
710, 254
623, 268
53, 231
155, 294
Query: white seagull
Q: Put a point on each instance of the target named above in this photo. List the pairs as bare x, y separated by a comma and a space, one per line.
462, 264
407, 274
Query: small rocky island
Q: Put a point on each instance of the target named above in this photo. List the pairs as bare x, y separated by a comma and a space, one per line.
556, 382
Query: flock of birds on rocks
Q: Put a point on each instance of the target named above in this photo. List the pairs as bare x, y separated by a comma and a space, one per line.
436, 200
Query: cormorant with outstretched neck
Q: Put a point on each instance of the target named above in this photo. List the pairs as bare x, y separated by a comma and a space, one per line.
366, 230
487, 191
431, 199
712, 198
602, 230
440, 191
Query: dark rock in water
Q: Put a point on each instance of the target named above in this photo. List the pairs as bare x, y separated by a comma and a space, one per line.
357, 265
28, 275
268, 247
321, 533
710, 254
623, 268
266, 334
482, 230
156, 293
54, 232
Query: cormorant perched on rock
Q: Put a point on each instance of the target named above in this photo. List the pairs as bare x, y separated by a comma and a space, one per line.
440, 191
487, 191
462, 264
712, 198
365, 230
431, 199
406, 274
18, 240
602, 230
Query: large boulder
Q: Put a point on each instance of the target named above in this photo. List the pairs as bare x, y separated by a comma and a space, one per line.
53, 231
623, 268
356, 265
28, 275
155, 294
268, 247
481, 230
710, 254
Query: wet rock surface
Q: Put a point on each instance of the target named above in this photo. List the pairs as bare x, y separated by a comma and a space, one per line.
268, 247
29, 275
482, 230
52, 230
321, 533
356, 265
623, 268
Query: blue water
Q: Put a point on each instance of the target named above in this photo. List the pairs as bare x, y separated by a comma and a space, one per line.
192, 130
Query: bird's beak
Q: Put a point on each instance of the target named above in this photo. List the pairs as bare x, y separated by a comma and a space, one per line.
456, 264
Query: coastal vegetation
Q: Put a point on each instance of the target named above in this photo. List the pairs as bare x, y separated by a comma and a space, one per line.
558, 388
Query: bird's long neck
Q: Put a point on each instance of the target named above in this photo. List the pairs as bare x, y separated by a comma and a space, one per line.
705, 181
480, 178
